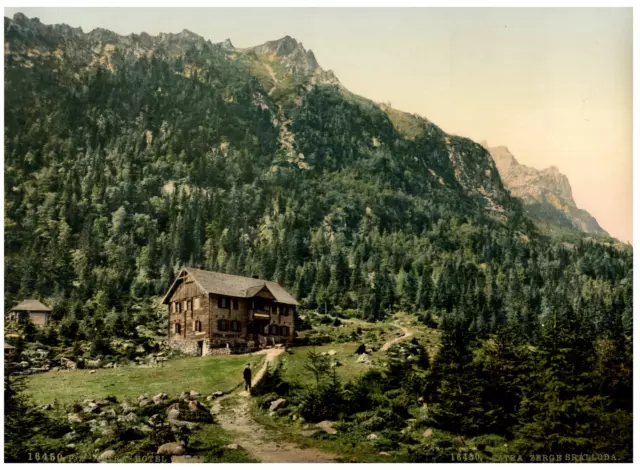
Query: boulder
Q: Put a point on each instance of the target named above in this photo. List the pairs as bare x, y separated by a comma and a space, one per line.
217, 394
127, 407
364, 359
185, 396
130, 418
337, 364
92, 371
323, 353
74, 418
372, 436
277, 404
326, 426
92, 407
171, 448
427, 433
143, 397
109, 454
145, 402
178, 424
47, 407
194, 406
108, 413
331, 352
384, 454
160, 397
173, 413
194, 394
234, 446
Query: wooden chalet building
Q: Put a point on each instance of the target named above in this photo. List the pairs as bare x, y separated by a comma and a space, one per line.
34, 310
209, 311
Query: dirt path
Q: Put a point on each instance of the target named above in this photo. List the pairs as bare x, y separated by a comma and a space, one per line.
407, 335
234, 414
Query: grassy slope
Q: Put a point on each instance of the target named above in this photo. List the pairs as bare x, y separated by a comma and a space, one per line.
203, 374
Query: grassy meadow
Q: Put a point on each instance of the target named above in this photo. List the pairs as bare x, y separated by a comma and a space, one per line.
203, 374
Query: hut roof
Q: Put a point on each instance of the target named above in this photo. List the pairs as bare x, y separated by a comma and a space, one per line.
31, 305
233, 286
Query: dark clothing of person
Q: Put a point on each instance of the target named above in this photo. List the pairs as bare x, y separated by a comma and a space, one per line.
247, 378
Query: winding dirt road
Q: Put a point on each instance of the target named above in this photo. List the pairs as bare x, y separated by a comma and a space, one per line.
407, 335
234, 415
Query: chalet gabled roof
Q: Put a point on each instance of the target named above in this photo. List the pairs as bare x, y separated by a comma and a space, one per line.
233, 286
31, 305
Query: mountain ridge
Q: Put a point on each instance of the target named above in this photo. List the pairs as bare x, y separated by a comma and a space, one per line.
546, 193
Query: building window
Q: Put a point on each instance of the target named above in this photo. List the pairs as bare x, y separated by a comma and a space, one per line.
284, 310
189, 306
223, 325
197, 326
177, 328
196, 303
284, 330
273, 329
235, 325
223, 302
235, 304
178, 308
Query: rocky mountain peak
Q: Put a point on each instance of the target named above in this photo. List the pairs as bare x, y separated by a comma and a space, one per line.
294, 56
546, 192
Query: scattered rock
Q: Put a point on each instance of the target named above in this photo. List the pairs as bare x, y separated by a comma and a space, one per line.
337, 364
74, 418
219, 393
194, 394
234, 446
194, 406
127, 407
326, 426
428, 433
171, 448
185, 396
130, 418
144, 402
369, 351
92, 371
372, 436
385, 454
277, 404
143, 397
332, 352
364, 359
92, 408
160, 397
109, 454
173, 414
323, 353
47, 407
108, 413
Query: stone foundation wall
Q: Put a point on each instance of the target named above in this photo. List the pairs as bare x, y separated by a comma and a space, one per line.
189, 348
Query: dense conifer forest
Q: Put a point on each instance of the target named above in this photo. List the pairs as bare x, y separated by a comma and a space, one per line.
117, 176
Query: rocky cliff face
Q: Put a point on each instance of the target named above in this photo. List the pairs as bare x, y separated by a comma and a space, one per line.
546, 193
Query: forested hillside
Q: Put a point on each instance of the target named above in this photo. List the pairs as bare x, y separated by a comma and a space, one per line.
126, 157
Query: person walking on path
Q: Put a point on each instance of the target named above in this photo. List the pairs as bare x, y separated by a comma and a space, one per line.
247, 377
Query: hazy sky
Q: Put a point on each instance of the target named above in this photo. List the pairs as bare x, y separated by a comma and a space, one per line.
554, 85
